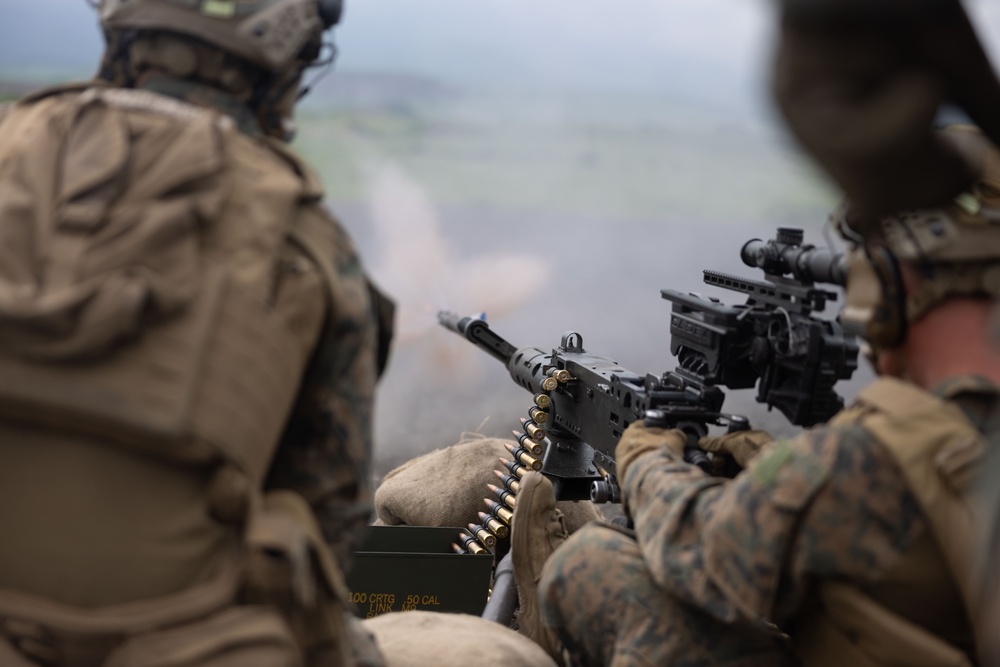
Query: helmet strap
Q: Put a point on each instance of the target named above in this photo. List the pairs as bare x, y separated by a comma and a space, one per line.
953, 280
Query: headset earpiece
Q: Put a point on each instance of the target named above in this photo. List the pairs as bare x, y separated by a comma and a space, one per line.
330, 12
887, 327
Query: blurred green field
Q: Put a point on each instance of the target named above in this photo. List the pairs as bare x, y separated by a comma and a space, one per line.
625, 158
597, 157
550, 211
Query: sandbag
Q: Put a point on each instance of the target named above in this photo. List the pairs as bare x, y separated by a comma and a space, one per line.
434, 639
446, 487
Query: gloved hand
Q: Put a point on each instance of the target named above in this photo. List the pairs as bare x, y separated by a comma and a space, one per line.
862, 99
741, 445
639, 439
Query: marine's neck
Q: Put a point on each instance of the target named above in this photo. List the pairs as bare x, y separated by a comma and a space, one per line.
952, 339
202, 95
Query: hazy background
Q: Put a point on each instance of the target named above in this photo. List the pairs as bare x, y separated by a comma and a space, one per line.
554, 163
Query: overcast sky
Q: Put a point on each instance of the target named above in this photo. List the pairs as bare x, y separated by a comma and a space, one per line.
708, 50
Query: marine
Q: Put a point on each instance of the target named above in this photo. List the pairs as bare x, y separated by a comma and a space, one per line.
853, 543
188, 351
848, 544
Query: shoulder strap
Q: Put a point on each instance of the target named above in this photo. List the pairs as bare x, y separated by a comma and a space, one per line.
312, 185
72, 87
939, 451
895, 396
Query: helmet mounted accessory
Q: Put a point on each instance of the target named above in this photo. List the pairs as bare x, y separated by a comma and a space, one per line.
276, 39
955, 249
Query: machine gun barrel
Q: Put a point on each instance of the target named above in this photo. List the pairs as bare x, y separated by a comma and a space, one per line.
479, 333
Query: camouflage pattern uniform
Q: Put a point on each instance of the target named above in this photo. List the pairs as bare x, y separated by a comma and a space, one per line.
336, 324
325, 452
718, 572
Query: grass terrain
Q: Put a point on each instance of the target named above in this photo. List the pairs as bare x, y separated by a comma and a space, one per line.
597, 156
609, 198
614, 198
549, 155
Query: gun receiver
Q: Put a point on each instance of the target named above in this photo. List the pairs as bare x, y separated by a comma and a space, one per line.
592, 400
774, 338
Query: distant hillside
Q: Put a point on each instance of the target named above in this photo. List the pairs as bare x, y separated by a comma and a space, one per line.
368, 90
354, 90
11, 90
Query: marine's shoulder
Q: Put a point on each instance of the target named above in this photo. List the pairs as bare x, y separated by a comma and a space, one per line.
33, 99
50, 93
841, 449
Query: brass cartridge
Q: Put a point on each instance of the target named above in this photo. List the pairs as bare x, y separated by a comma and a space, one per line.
494, 526
499, 511
509, 482
515, 468
543, 400
561, 375
529, 443
532, 429
473, 547
505, 496
538, 415
483, 535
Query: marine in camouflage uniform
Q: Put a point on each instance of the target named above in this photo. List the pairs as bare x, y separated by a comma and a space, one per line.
190, 347
853, 543
724, 572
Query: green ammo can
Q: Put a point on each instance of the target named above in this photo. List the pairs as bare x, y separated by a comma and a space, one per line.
399, 568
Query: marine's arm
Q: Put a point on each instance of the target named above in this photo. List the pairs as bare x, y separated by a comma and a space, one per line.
829, 503
325, 453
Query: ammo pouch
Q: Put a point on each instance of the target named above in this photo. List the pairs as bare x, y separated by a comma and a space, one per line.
289, 567
853, 629
939, 452
40, 631
246, 636
143, 238
281, 605
137, 308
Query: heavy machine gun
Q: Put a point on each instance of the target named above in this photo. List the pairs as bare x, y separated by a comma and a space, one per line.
774, 341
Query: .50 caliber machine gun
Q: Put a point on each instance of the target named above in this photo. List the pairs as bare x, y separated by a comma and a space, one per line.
583, 402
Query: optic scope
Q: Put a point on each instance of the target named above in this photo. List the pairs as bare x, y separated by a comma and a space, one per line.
785, 255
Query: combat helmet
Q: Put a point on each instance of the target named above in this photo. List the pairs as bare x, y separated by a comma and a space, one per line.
268, 33
955, 247
255, 49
